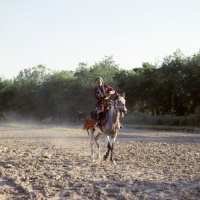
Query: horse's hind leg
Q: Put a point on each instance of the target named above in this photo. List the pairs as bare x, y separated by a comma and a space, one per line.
98, 147
91, 134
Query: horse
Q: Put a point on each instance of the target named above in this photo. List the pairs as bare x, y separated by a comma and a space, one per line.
109, 129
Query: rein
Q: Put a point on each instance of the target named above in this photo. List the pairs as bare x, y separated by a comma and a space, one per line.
119, 104
115, 104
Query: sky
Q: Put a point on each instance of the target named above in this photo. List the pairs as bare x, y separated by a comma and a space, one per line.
60, 34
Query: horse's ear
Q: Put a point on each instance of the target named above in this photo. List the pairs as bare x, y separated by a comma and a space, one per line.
117, 95
123, 94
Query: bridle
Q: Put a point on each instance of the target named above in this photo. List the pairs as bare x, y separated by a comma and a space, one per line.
119, 104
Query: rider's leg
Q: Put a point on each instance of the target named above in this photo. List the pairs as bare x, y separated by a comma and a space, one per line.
104, 117
100, 108
98, 118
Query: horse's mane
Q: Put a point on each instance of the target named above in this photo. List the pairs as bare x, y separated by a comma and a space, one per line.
117, 95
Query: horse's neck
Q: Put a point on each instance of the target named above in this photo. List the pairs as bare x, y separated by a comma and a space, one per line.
114, 113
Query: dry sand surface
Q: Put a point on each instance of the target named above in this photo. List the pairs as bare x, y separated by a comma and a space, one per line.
53, 162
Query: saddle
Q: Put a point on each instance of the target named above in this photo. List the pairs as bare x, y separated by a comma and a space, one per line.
102, 116
93, 116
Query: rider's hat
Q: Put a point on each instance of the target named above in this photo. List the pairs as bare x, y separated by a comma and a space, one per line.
99, 77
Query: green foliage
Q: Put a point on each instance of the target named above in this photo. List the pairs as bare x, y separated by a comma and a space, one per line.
53, 97
105, 68
172, 88
168, 94
6, 95
162, 120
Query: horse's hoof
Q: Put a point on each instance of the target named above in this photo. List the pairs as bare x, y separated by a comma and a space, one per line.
105, 158
114, 163
92, 159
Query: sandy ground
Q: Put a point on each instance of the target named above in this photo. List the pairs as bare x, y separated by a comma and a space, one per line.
40, 162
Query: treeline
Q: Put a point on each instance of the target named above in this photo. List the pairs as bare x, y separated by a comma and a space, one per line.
171, 88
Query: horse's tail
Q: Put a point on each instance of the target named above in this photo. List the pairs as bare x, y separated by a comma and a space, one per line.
87, 132
89, 123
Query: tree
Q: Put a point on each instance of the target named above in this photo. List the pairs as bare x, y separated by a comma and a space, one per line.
26, 85
6, 96
54, 98
85, 76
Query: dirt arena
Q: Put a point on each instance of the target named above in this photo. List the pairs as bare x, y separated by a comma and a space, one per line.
53, 162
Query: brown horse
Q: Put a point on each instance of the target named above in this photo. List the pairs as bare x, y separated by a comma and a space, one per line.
110, 129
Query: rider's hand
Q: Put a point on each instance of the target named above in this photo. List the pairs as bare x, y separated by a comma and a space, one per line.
109, 94
102, 95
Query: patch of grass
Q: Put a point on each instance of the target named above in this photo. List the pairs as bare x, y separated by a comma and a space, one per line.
64, 129
165, 128
16, 125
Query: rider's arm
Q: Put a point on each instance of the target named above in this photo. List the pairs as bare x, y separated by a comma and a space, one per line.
97, 94
109, 90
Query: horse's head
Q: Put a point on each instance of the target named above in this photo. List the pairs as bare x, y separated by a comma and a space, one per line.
120, 103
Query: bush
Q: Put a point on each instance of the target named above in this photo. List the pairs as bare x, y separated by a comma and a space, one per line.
165, 120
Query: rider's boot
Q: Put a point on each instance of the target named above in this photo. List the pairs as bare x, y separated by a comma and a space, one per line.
104, 117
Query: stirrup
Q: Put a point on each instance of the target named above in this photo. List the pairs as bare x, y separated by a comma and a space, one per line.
97, 124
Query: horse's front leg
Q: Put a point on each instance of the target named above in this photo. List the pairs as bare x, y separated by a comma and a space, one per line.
108, 147
91, 134
112, 150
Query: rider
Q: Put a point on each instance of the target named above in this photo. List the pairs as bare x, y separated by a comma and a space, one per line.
103, 94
